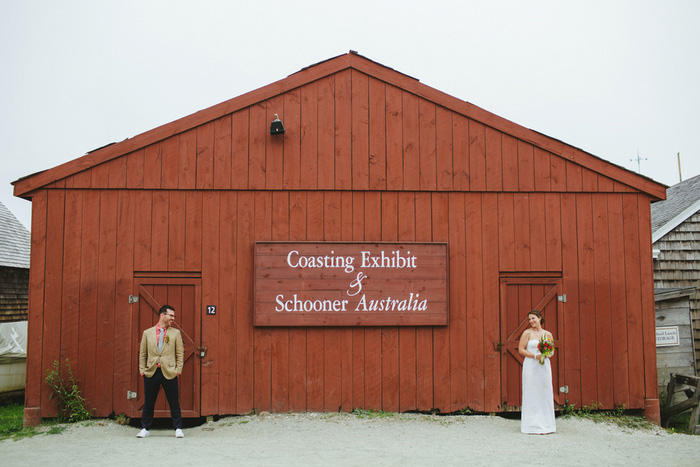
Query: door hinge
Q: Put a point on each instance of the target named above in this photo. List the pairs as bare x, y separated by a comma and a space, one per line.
130, 395
133, 299
562, 298
564, 389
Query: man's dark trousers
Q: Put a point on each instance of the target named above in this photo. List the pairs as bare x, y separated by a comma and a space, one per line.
151, 386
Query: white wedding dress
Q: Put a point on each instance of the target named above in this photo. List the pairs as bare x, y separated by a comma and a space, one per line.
537, 414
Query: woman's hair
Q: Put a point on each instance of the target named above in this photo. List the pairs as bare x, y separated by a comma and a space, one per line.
539, 315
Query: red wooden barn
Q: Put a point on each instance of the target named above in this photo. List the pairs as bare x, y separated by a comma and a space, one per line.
190, 212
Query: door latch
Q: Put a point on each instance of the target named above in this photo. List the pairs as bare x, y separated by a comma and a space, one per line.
133, 299
202, 351
562, 298
130, 395
564, 389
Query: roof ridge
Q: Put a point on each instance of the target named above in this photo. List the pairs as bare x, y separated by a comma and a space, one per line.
352, 60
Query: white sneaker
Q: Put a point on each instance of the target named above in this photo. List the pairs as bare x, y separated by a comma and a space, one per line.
143, 433
179, 433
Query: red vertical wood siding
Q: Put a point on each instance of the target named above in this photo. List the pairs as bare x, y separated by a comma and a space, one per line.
361, 160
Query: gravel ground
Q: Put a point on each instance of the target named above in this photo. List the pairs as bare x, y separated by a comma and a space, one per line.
346, 439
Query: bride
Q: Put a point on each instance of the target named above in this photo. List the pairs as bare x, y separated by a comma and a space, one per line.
537, 416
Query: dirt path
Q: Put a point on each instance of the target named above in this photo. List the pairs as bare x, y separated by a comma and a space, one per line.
331, 439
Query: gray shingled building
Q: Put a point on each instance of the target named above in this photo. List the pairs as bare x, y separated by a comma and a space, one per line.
675, 225
14, 267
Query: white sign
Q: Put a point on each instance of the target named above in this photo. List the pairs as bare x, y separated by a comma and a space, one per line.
666, 336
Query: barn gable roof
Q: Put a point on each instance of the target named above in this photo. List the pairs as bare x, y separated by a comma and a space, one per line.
683, 200
26, 186
14, 241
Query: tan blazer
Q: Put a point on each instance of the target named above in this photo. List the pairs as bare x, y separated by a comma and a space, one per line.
170, 357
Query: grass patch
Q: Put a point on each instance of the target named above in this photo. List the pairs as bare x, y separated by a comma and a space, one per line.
680, 424
11, 424
11, 420
615, 417
362, 413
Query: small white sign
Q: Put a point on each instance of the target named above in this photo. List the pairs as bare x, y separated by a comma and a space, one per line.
666, 336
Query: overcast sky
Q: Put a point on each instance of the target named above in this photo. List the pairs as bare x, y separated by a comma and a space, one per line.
614, 78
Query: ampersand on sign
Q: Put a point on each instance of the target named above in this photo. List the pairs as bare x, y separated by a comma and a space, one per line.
356, 283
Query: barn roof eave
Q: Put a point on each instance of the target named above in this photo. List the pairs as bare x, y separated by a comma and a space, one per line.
26, 185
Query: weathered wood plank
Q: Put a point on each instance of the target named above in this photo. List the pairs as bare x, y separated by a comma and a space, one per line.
367, 342
543, 167
292, 140
347, 346
492, 367
394, 139
377, 135
538, 233
427, 154
343, 130
477, 156
258, 132
586, 271
135, 169
124, 274
326, 128
390, 335
51, 341
222, 153
34, 385
314, 336
458, 303
360, 130
211, 279
424, 335
475, 300
104, 371
262, 336
332, 337
245, 236
192, 143
279, 346
297, 336
523, 241
603, 312
309, 136
240, 149
176, 230
411, 131
443, 150
460, 154
634, 300
274, 146
171, 162
159, 231
648, 318
526, 167
70, 300
552, 206
407, 336
494, 160
570, 274
193, 230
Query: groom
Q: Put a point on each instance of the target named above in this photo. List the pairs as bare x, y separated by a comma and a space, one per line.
160, 363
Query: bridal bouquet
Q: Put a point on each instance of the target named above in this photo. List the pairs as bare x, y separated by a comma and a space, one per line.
546, 348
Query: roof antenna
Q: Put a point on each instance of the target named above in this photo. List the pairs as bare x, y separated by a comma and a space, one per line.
639, 162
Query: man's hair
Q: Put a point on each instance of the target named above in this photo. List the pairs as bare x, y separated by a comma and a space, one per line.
164, 309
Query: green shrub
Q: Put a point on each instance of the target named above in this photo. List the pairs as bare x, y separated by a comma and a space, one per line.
66, 394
